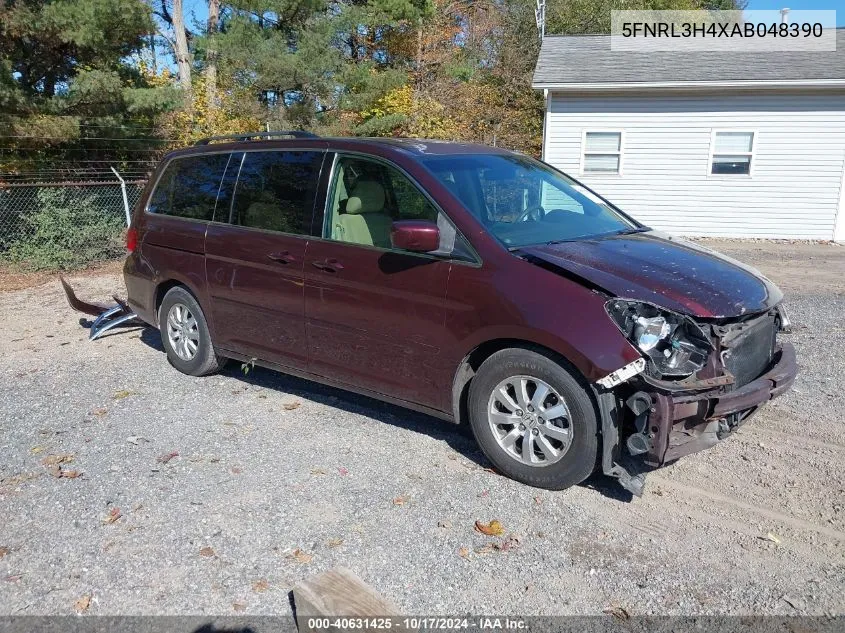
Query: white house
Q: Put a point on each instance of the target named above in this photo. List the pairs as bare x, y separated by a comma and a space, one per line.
702, 143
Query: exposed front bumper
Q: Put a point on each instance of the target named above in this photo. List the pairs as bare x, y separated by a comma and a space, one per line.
688, 421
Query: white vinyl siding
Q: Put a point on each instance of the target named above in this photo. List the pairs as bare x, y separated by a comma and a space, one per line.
797, 160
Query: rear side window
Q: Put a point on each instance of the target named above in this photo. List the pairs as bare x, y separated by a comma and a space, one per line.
188, 187
276, 190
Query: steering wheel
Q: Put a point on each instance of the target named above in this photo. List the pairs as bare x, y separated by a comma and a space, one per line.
535, 214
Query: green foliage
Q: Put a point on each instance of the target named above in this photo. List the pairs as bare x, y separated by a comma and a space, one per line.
67, 231
67, 68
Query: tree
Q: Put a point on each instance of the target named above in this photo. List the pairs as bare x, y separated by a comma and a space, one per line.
66, 74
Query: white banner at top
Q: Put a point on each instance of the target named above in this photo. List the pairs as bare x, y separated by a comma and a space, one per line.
741, 31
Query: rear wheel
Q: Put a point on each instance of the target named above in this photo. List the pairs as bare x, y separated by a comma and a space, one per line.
533, 418
184, 334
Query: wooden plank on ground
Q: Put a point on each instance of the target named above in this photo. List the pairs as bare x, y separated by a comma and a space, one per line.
339, 593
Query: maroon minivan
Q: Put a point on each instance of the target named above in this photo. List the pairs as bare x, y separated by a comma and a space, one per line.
468, 282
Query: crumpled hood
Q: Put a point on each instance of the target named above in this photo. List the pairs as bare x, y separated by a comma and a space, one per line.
663, 270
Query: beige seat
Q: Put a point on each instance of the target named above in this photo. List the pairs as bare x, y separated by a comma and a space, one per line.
364, 221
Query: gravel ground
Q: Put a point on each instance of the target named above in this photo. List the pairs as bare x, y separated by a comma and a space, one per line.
216, 495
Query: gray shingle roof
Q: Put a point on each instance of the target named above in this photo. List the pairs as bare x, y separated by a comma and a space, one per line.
587, 59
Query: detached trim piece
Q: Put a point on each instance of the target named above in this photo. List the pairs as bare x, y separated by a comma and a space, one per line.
622, 374
107, 317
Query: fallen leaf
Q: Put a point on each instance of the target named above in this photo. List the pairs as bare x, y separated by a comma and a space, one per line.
123, 393
238, 606
55, 471
207, 551
538, 500
70, 474
494, 528
335, 542
290, 406
485, 549
343, 471
463, 552
166, 457
620, 613
318, 471
81, 605
770, 537
444, 524
13, 578
36, 449
55, 460
236, 470
113, 515
260, 586
136, 439
301, 556
400, 501
99, 412
4, 551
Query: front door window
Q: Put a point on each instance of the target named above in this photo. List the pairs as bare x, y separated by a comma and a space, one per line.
368, 196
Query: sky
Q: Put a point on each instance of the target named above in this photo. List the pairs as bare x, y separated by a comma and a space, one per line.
802, 5
198, 9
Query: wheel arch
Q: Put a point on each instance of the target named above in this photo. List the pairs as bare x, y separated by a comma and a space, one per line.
162, 289
474, 358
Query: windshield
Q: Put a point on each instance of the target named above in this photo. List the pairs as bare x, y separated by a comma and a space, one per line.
522, 201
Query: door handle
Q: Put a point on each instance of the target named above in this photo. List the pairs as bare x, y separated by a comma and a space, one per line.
282, 258
329, 265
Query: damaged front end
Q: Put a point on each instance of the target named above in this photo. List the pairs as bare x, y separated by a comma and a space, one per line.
699, 380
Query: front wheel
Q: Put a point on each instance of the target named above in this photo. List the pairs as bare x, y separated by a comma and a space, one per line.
184, 334
533, 418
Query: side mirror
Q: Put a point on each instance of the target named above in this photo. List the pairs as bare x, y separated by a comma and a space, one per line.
418, 236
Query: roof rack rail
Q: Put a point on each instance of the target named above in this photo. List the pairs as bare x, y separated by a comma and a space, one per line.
256, 135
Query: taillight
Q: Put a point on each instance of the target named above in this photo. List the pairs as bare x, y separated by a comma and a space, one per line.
131, 239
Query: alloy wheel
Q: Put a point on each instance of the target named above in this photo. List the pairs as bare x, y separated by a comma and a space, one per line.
182, 331
530, 420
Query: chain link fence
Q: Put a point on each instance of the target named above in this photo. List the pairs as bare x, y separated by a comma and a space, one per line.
64, 225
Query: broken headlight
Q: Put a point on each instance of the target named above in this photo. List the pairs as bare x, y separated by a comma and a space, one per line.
674, 343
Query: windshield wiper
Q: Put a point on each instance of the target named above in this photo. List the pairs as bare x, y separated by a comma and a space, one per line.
638, 229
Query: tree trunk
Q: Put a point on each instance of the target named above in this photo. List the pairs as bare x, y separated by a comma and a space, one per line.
180, 46
211, 56
419, 60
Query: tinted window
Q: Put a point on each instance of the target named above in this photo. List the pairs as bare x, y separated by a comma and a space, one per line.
276, 190
188, 187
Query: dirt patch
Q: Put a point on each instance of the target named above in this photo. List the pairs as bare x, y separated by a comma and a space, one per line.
12, 278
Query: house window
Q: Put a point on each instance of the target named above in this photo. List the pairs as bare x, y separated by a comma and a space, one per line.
732, 153
602, 153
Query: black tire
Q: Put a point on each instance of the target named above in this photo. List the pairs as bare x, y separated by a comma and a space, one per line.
579, 461
205, 360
